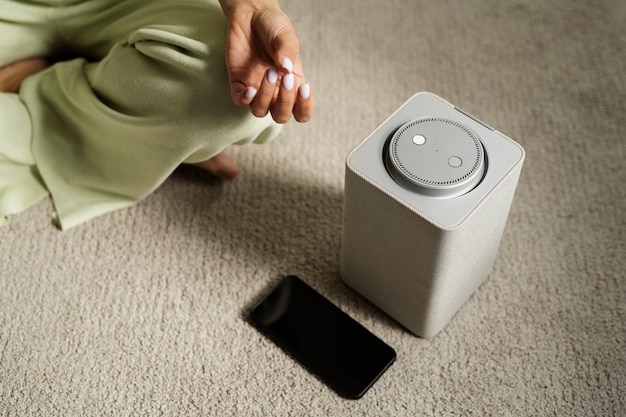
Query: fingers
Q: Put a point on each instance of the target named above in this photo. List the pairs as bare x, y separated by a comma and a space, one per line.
265, 94
279, 95
303, 109
291, 100
242, 95
283, 105
242, 92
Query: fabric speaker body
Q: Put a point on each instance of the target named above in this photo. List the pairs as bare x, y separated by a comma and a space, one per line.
427, 196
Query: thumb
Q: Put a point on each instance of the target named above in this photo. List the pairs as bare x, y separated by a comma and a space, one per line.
286, 46
279, 38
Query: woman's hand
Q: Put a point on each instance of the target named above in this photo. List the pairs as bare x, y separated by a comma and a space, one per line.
264, 68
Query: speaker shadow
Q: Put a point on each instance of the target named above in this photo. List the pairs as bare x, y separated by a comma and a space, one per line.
289, 224
262, 215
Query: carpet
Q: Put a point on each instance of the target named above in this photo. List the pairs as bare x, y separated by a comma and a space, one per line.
143, 312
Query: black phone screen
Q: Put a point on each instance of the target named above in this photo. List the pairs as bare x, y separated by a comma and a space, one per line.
331, 344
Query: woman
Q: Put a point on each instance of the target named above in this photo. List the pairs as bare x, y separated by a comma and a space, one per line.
102, 99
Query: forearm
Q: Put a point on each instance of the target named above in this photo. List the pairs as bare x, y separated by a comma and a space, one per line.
230, 6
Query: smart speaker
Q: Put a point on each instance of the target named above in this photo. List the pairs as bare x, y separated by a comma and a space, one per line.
427, 196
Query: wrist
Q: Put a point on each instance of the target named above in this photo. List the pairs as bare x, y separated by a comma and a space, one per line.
246, 6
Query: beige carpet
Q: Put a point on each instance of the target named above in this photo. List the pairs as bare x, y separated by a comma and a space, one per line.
143, 312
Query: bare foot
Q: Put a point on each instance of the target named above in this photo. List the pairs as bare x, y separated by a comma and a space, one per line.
221, 165
12, 75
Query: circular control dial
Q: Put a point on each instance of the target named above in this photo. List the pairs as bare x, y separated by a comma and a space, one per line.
435, 157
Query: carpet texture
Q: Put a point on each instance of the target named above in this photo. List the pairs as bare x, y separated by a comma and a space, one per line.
143, 311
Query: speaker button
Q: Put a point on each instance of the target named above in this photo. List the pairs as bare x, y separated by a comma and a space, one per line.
455, 161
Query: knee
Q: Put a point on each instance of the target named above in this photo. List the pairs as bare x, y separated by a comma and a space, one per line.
159, 73
173, 52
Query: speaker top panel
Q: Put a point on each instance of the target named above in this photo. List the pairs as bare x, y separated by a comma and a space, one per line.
436, 157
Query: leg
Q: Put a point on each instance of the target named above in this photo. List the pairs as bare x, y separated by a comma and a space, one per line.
107, 134
25, 33
20, 183
12, 75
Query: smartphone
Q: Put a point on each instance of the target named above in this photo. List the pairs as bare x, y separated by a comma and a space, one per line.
317, 333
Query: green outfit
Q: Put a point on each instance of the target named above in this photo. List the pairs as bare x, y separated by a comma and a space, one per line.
144, 89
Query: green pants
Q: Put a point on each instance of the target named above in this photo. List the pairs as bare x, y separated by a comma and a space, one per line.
139, 87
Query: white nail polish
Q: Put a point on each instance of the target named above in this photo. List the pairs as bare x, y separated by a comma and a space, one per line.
287, 65
288, 82
305, 91
272, 76
250, 93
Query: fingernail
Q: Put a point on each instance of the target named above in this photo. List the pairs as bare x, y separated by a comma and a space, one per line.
287, 65
288, 81
272, 76
250, 93
305, 91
